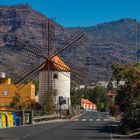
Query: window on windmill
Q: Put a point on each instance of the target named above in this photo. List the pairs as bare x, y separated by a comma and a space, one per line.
55, 76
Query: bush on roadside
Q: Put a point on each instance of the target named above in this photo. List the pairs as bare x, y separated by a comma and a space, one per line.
128, 95
131, 117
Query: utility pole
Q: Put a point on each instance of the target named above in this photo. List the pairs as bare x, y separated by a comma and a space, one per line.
136, 40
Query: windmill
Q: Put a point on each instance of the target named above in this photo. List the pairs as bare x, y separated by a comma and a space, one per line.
46, 63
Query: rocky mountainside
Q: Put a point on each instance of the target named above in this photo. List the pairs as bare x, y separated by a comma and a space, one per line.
25, 23
107, 43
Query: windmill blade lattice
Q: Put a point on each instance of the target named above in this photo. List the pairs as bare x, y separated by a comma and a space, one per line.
75, 40
41, 59
48, 35
25, 49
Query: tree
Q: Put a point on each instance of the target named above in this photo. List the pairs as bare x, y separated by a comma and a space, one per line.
96, 95
128, 95
49, 106
110, 86
36, 82
76, 94
117, 72
16, 102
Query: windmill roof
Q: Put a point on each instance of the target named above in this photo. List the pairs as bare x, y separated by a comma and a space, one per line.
59, 65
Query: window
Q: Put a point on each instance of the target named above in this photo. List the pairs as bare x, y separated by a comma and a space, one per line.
4, 93
55, 76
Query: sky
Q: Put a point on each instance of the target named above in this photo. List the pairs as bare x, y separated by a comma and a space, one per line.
71, 13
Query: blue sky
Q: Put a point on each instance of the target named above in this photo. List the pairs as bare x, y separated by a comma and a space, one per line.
83, 12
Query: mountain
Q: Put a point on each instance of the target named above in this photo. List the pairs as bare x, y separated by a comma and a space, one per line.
107, 43
25, 23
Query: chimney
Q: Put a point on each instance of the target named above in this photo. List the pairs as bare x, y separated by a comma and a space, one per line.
2, 75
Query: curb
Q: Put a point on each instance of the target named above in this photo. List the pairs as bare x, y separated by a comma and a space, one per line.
77, 116
127, 136
50, 121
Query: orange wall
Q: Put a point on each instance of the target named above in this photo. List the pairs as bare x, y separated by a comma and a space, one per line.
7, 92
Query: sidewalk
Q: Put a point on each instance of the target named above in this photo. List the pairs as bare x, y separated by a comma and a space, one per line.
77, 116
51, 118
45, 118
114, 119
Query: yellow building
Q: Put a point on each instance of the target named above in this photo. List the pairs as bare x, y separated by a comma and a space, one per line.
8, 91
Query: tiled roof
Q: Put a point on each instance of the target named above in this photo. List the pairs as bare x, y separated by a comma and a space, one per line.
56, 64
59, 64
86, 101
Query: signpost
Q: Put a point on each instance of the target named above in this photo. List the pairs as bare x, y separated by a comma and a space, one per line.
60, 104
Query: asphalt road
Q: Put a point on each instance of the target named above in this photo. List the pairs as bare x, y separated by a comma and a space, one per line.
90, 126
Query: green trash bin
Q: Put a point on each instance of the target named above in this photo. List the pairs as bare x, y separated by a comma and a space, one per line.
26, 118
0, 121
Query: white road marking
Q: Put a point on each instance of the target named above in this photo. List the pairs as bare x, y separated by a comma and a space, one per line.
98, 120
84, 120
106, 119
110, 133
90, 120
76, 120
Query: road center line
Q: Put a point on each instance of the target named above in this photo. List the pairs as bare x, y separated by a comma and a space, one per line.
90, 119
98, 119
76, 120
84, 120
106, 119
